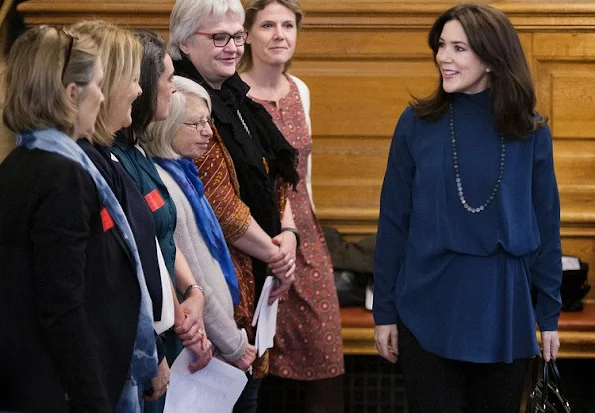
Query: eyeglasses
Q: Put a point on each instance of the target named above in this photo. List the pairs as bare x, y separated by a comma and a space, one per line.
222, 39
71, 40
201, 124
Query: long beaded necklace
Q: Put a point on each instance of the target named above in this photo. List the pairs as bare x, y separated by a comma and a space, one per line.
458, 180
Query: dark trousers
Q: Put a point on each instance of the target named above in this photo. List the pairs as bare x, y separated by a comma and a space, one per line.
248, 401
437, 385
324, 395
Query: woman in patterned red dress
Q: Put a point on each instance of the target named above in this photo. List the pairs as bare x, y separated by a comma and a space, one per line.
308, 343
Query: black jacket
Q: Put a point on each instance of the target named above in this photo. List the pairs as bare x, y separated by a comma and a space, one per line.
69, 295
260, 153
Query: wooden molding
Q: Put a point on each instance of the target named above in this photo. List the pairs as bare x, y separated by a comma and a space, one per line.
327, 14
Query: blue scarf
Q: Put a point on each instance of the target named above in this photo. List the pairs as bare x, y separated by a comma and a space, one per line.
144, 357
185, 174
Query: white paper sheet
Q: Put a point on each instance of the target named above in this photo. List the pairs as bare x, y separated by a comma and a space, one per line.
570, 263
214, 389
265, 317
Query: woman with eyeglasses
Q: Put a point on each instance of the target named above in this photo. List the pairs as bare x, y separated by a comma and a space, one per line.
74, 335
248, 166
174, 143
308, 325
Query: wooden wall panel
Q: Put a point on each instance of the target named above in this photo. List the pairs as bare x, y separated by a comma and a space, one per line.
360, 82
361, 44
566, 93
363, 59
349, 177
362, 98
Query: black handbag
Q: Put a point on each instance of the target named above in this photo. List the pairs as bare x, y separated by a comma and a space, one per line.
574, 287
546, 394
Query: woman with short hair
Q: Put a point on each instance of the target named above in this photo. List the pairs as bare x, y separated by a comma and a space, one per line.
248, 166
173, 143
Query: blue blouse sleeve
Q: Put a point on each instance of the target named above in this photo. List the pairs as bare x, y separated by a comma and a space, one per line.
393, 223
546, 269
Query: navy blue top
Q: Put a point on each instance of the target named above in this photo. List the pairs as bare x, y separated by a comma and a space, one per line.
461, 282
143, 172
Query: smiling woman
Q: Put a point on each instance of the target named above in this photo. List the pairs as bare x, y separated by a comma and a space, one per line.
247, 166
122, 53
61, 336
469, 222
462, 70
174, 143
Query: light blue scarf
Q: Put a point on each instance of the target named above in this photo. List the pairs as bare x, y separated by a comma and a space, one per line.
144, 357
185, 174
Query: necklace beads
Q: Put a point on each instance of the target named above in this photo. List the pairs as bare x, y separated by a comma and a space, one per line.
459, 182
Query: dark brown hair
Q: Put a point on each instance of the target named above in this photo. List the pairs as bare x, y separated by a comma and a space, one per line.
252, 8
151, 68
495, 41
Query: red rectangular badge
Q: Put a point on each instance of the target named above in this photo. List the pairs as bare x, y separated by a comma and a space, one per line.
106, 220
154, 200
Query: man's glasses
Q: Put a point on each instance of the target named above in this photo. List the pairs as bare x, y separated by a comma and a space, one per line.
71, 39
222, 39
201, 124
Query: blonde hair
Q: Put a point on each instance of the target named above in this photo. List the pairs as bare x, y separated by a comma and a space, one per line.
36, 78
252, 9
187, 15
161, 134
122, 52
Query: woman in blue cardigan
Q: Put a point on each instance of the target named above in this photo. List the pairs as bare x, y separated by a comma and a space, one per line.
469, 222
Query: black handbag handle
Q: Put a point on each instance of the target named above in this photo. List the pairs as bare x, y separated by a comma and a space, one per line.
550, 373
546, 382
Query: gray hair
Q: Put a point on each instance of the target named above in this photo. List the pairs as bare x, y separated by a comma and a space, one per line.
190, 87
187, 15
161, 134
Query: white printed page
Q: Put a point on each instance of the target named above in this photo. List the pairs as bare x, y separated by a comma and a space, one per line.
214, 389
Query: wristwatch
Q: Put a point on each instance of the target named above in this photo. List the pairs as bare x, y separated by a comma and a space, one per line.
189, 289
295, 232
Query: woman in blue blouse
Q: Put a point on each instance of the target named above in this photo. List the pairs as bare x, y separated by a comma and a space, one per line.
469, 222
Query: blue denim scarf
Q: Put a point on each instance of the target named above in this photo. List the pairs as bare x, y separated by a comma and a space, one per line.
144, 357
185, 174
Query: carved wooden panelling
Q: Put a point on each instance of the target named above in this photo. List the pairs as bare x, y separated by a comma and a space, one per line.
363, 59
566, 93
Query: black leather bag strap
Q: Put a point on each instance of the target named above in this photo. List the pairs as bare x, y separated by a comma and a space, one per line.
546, 382
555, 378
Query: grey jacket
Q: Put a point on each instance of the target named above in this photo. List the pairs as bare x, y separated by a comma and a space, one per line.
229, 342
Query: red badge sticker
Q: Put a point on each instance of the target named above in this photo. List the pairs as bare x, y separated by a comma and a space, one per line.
154, 200
106, 220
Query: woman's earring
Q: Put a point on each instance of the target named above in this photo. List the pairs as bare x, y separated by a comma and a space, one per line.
488, 69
